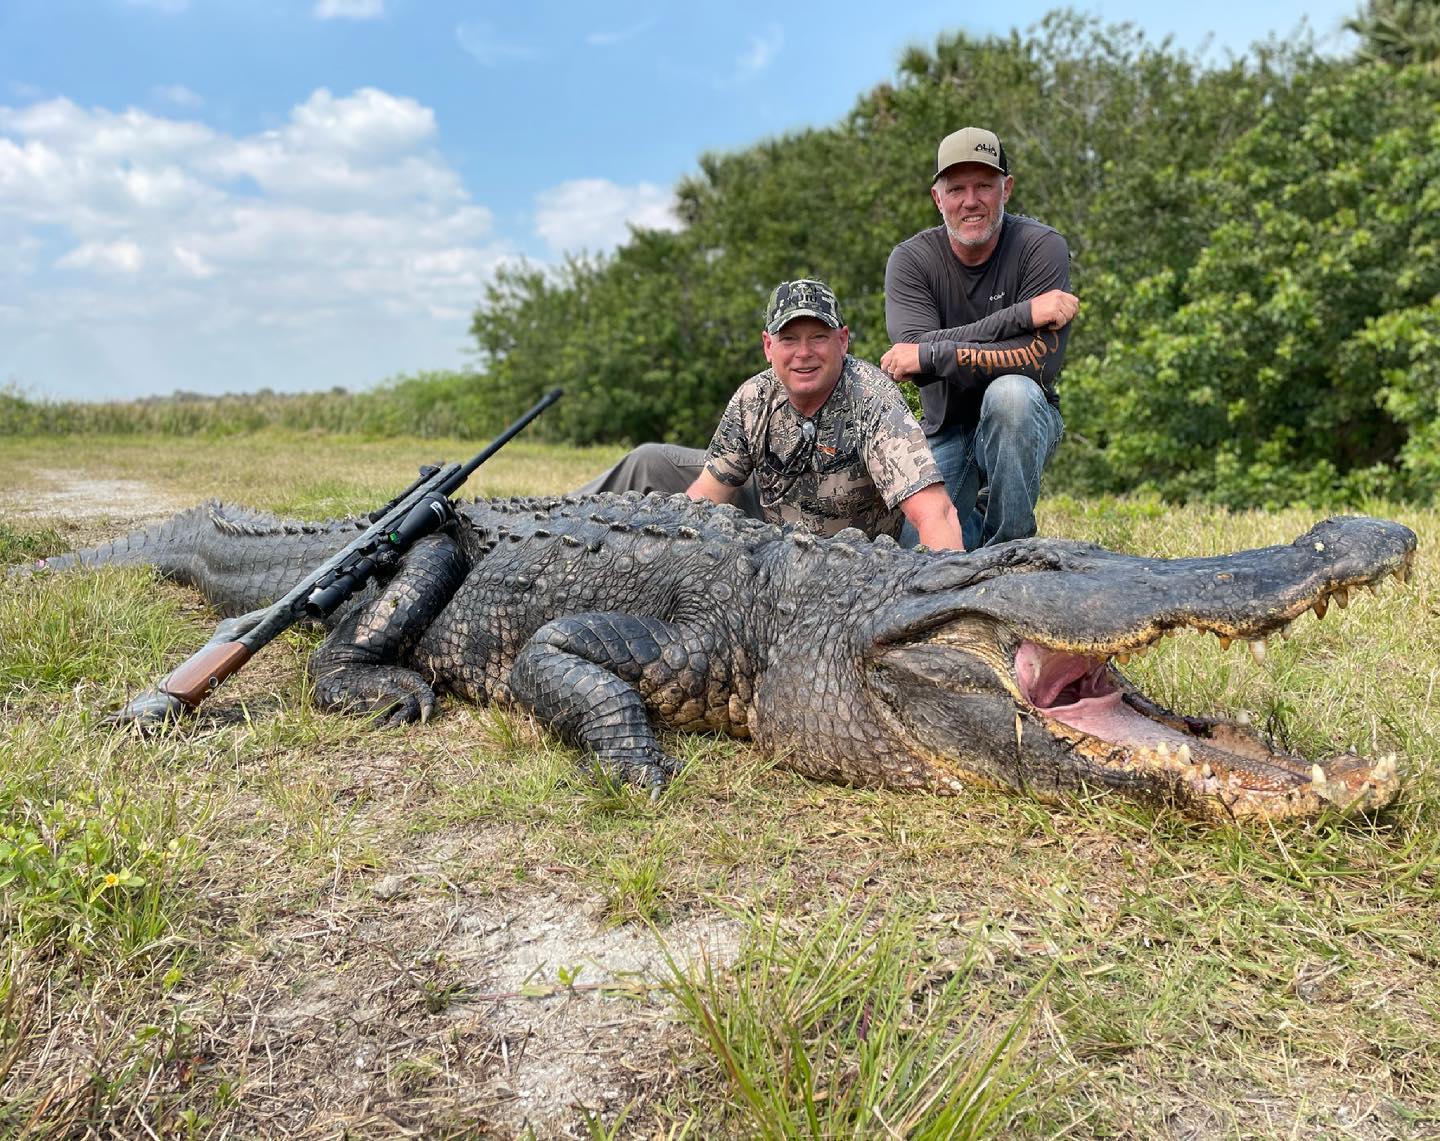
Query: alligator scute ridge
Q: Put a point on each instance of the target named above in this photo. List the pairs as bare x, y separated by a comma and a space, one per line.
847, 660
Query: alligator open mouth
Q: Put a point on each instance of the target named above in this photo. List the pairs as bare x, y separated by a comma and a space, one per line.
1044, 626
1088, 701
1075, 690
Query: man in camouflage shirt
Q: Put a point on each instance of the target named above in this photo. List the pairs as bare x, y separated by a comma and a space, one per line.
820, 440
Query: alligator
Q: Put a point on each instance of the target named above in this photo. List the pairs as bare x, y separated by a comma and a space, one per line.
844, 659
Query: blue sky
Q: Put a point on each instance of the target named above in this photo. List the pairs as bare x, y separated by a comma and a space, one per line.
225, 195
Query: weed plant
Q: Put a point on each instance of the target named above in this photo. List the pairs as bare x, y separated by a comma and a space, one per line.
427, 405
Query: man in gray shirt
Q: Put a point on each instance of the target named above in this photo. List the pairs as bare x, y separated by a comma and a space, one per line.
980, 310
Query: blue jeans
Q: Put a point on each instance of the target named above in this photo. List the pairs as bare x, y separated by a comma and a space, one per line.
1009, 447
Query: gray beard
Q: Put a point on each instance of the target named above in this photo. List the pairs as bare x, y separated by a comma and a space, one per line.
973, 243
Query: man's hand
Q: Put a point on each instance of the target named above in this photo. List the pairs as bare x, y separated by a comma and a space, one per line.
901, 362
933, 515
1053, 310
706, 486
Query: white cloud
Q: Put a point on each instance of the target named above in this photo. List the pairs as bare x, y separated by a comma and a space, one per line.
178, 95
609, 39
103, 135
191, 262
369, 122
349, 9
339, 242
595, 214
760, 53
107, 257
479, 38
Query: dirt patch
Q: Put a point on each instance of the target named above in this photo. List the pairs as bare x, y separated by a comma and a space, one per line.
62, 493
412, 1004
593, 1021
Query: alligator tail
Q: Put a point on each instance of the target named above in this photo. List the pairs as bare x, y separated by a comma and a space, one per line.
166, 546
238, 558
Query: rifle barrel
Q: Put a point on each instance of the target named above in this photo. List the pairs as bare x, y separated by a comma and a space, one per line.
505, 437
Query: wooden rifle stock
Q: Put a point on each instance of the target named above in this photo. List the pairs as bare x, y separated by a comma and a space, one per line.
204, 670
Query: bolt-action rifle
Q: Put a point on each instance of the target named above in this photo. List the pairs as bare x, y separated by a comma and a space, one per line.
421, 509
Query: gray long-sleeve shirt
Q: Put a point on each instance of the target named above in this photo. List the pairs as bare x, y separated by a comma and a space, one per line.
973, 323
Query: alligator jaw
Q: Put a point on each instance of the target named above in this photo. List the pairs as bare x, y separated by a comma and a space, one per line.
1211, 767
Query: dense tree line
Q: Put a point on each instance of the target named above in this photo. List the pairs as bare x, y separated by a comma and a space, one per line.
1254, 243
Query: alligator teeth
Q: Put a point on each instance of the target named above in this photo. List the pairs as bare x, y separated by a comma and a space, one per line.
1385, 767
1321, 605
1206, 771
1341, 597
1257, 651
1242, 717
1183, 756
1224, 641
1162, 749
1317, 775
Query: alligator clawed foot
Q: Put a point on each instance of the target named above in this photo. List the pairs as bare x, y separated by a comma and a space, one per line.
390, 694
148, 711
651, 771
408, 708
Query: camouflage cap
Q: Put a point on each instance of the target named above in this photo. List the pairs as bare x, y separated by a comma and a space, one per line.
970, 144
803, 298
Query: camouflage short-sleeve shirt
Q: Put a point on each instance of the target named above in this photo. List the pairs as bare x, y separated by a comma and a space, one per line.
849, 465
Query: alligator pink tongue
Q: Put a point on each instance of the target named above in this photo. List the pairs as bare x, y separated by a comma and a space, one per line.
1044, 675
1075, 690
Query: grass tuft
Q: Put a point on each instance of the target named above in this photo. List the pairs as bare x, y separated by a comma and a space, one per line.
853, 1026
111, 625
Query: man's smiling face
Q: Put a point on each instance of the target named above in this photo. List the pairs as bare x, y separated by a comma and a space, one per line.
807, 356
971, 198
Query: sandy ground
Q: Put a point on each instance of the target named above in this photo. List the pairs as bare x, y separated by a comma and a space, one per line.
69, 495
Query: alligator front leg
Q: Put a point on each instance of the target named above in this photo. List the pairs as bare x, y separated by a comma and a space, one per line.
356, 670
593, 678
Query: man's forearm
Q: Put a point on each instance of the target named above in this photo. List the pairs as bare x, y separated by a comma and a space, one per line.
1037, 355
933, 516
1012, 321
706, 486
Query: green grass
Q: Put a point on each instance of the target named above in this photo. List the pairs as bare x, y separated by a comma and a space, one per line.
318, 924
848, 1024
58, 632
20, 544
